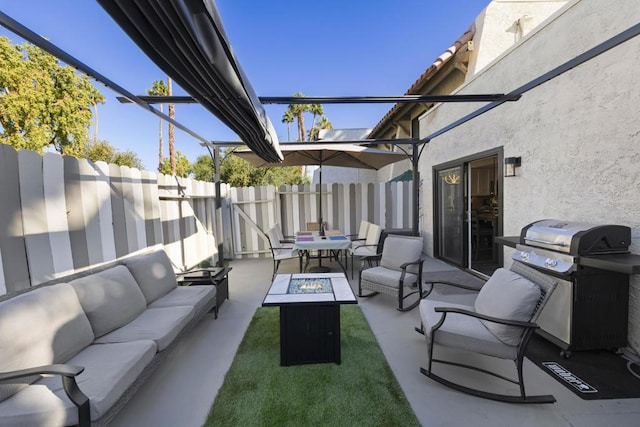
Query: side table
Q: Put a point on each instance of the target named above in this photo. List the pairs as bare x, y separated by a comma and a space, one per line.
216, 276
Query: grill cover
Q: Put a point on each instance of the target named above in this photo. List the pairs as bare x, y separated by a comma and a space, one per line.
577, 238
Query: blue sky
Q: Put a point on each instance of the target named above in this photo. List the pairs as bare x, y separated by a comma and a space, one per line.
328, 48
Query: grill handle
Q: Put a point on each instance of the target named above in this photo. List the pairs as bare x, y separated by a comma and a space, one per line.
546, 242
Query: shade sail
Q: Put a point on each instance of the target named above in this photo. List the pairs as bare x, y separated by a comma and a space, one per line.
347, 155
186, 40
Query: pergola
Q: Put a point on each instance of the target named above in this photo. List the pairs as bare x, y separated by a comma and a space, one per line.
186, 39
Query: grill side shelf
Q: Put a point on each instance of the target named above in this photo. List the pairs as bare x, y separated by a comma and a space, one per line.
510, 241
621, 263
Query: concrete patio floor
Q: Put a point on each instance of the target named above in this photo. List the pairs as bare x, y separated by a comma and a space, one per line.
182, 390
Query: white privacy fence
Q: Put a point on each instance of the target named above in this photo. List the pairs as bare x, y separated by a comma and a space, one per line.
60, 215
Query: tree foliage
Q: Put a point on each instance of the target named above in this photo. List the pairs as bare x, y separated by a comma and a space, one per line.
202, 168
43, 103
102, 150
239, 173
183, 167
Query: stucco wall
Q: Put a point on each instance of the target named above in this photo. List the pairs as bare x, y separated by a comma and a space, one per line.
578, 135
503, 24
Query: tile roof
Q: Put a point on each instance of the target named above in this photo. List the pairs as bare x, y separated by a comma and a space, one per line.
428, 74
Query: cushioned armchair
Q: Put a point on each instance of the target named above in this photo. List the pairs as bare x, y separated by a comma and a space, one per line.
499, 324
399, 273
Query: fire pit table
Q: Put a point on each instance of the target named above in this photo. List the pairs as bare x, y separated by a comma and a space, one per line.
309, 315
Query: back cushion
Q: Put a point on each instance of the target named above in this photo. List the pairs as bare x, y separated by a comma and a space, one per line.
154, 274
399, 250
373, 234
41, 327
507, 295
110, 298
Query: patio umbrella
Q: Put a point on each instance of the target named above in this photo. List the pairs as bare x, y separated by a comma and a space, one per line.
320, 154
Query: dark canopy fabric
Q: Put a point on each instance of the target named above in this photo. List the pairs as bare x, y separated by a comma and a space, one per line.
186, 39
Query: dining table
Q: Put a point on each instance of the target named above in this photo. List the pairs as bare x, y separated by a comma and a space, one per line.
332, 241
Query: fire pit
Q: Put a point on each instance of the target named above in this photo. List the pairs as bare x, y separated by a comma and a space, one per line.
313, 285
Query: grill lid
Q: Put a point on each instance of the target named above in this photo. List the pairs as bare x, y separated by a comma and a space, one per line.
577, 238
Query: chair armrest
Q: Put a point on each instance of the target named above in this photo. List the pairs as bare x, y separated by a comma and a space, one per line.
485, 317
416, 262
58, 369
69, 383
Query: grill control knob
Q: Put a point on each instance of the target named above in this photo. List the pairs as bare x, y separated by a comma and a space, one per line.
524, 256
550, 262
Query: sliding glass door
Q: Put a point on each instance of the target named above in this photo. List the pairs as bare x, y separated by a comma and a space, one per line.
450, 214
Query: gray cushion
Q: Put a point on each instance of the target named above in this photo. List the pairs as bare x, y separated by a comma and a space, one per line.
41, 327
161, 325
154, 274
199, 297
384, 276
399, 250
461, 331
109, 370
507, 295
110, 298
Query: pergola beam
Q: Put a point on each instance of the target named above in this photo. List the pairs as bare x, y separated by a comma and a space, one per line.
404, 99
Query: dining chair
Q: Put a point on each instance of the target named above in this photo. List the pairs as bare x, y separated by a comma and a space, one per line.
280, 252
367, 249
357, 239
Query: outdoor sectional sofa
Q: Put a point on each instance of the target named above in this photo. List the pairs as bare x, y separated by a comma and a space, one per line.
101, 333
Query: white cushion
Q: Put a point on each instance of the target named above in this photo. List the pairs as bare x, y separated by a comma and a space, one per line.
161, 325
110, 298
153, 273
507, 295
40, 327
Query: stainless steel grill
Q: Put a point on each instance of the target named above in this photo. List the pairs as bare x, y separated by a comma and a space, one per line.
589, 309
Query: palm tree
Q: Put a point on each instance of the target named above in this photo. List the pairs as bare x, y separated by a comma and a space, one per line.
159, 88
323, 123
298, 111
288, 118
316, 110
172, 113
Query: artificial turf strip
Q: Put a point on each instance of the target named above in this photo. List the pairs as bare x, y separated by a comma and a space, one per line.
257, 391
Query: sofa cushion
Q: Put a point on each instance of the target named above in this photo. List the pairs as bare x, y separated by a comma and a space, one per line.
41, 327
200, 297
161, 325
507, 295
154, 274
109, 370
110, 298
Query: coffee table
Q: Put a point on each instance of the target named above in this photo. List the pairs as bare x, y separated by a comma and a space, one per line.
309, 315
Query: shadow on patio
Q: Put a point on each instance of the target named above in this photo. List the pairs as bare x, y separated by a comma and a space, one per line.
185, 385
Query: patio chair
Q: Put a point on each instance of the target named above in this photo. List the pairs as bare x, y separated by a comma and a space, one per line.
367, 250
285, 242
357, 239
399, 273
280, 252
500, 325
